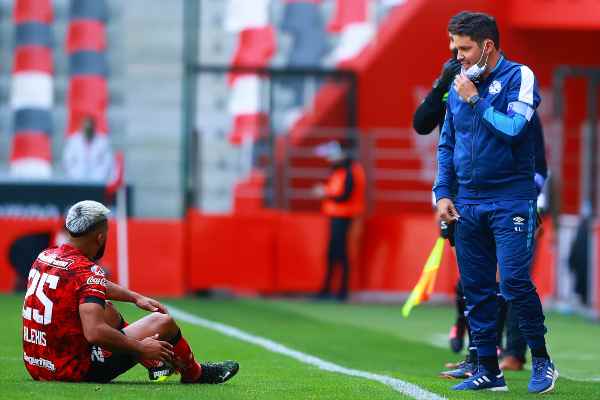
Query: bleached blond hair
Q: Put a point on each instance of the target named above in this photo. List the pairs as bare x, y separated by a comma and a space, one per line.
84, 216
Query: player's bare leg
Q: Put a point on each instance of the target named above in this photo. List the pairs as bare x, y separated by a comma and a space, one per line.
191, 371
157, 370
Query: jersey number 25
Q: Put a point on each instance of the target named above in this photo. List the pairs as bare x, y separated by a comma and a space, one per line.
36, 285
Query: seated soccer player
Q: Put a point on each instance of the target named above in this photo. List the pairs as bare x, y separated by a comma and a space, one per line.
71, 332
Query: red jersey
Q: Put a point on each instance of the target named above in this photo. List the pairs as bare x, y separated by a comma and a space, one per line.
54, 347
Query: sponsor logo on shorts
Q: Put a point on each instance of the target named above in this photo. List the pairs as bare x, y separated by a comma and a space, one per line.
97, 354
39, 362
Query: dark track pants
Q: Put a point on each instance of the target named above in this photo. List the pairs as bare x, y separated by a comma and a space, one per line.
337, 252
498, 233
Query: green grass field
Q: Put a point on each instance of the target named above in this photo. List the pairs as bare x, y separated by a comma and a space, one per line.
373, 338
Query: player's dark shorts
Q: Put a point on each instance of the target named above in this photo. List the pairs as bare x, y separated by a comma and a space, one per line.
107, 366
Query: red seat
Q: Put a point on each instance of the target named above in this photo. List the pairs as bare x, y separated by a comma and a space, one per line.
33, 58
33, 11
255, 48
29, 144
248, 125
86, 35
348, 12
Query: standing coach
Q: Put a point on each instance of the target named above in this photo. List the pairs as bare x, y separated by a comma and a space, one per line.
486, 150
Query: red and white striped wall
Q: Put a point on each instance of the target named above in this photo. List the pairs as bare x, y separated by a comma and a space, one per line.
32, 90
256, 44
88, 69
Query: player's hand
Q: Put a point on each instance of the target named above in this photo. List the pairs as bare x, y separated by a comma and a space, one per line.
154, 349
464, 87
149, 304
449, 71
446, 211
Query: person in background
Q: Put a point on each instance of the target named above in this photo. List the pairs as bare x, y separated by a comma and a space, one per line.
429, 115
343, 200
87, 156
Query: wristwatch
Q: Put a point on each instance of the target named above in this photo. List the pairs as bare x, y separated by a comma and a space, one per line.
473, 100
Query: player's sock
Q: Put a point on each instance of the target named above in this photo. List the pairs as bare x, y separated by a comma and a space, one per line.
541, 352
188, 367
490, 363
473, 355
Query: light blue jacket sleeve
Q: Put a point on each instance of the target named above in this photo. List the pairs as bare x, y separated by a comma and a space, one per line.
523, 99
445, 181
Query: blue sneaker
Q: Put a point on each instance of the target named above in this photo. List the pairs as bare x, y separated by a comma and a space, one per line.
483, 380
543, 375
465, 369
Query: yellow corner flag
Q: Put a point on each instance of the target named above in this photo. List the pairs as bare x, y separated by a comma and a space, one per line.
426, 282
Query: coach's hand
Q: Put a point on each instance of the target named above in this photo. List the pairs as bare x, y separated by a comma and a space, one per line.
154, 349
464, 87
449, 71
446, 211
148, 304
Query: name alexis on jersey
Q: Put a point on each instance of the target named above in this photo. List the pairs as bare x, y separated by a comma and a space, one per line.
34, 336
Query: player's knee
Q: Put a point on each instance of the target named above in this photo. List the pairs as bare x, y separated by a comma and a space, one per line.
164, 322
512, 287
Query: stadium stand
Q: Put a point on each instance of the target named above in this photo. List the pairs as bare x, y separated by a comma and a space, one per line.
86, 44
32, 90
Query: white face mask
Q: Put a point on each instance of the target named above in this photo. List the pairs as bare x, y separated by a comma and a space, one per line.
475, 71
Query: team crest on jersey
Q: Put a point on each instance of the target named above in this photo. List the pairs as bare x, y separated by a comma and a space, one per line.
495, 87
97, 270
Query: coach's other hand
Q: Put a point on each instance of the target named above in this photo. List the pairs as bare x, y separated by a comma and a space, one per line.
149, 304
446, 211
154, 349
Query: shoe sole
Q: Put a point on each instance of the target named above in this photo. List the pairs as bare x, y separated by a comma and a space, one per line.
498, 389
551, 387
452, 378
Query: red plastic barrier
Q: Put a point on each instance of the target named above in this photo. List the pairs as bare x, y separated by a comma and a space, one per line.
155, 253
271, 252
236, 253
278, 252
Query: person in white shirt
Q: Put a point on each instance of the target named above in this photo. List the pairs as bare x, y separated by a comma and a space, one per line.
87, 155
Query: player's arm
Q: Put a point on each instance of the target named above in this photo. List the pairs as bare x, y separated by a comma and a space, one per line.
446, 177
344, 194
98, 332
431, 111
445, 180
119, 293
511, 126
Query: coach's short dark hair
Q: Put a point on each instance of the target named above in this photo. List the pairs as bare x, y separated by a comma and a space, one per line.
478, 26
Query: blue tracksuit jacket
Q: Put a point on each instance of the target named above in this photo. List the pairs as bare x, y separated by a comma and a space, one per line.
487, 152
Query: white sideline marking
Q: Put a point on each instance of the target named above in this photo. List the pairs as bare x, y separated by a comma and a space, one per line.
399, 385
